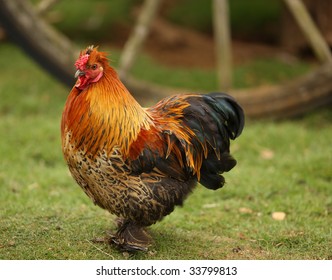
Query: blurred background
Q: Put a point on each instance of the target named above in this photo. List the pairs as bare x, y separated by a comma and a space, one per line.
274, 60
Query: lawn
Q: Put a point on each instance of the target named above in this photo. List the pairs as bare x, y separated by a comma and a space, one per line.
282, 167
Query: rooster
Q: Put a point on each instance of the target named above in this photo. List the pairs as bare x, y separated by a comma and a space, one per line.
139, 163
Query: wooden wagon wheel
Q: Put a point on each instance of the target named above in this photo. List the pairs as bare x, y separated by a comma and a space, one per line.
56, 53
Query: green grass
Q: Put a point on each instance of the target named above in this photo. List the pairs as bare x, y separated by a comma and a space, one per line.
45, 215
250, 74
91, 19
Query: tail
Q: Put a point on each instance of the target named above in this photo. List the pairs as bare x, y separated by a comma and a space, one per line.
216, 118
231, 112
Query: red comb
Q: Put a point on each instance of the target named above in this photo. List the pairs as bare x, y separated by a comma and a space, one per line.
81, 61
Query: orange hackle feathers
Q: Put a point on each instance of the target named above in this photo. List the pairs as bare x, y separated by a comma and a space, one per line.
95, 116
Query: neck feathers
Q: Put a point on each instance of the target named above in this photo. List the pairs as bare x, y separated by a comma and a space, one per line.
103, 116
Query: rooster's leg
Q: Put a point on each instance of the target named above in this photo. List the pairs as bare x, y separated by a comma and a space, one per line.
131, 237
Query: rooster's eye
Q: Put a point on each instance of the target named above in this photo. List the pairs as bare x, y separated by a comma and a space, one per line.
94, 67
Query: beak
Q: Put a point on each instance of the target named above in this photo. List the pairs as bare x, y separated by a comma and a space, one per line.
79, 73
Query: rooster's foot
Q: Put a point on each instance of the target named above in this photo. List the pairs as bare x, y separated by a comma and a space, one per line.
131, 237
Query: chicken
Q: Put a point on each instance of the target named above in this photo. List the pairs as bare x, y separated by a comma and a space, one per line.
139, 163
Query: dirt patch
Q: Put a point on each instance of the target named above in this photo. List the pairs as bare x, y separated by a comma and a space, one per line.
178, 46
174, 45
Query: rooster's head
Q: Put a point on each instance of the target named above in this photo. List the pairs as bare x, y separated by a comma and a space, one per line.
90, 67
